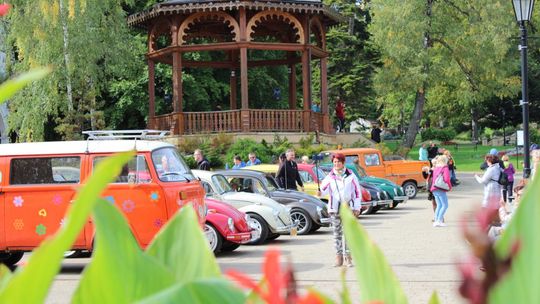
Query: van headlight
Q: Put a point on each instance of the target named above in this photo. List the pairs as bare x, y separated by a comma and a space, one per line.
230, 222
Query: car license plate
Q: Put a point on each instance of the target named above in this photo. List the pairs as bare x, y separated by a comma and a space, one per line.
294, 231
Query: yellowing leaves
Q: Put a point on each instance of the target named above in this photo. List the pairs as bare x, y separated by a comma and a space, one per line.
71, 9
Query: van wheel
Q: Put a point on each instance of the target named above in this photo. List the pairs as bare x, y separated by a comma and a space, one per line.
258, 223
304, 221
410, 189
72, 254
214, 238
11, 258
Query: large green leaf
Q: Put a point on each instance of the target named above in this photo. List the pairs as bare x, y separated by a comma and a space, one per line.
376, 279
12, 86
5, 275
183, 248
434, 298
202, 291
520, 285
120, 272
45, 261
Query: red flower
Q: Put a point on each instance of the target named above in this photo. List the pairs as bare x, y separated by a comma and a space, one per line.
4, 9
280, 286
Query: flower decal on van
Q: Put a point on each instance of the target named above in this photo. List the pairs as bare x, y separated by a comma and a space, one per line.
154, 197
57, 200
18, 224
18, 201
158, 223
41, 229
128, 206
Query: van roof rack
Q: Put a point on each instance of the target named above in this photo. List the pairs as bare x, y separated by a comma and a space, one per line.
125, 134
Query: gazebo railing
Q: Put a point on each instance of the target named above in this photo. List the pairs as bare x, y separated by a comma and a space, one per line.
276, 120
256, 120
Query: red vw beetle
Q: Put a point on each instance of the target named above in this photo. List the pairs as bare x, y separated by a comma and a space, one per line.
226, 227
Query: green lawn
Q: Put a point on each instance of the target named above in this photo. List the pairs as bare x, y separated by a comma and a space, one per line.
467, 157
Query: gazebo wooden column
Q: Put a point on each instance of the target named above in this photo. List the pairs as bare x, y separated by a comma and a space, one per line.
306, 75
324, 95
244, 95
177, 92
151, 93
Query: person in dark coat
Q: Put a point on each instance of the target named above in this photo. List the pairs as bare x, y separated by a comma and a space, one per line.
288, 175
202, 162
376, 134
495, 153
432, 151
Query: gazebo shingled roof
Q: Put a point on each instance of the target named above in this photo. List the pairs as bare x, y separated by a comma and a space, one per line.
243, 21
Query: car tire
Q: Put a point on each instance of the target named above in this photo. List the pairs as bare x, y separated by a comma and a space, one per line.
261, 225
410, 189
394, 205
11, 258
315, 227
214, 239
304, 221
369, 210
273, 236
229, 246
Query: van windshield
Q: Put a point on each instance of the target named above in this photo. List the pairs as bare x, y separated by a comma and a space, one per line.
170, 166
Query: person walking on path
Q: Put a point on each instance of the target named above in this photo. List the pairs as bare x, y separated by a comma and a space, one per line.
253, 160
202, 162
343, 187
432, 150
510, 171
495, 153
340, 114
492, 189
288, 174
423, 153
439, 189
376, 133
452, 167
427, 173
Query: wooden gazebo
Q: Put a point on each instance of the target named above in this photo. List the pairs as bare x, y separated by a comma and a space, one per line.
234, 27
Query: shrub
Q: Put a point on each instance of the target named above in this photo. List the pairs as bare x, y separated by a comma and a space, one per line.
189, 144
243, 147
438, 134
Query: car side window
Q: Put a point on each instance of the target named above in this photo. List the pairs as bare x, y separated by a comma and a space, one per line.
135, 171
259, 188
45, 170
372, 159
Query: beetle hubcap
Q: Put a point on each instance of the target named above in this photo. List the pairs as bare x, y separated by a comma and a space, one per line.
212, 237
257, 226
302, 221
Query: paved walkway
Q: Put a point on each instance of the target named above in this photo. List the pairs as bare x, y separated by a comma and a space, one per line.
424, 258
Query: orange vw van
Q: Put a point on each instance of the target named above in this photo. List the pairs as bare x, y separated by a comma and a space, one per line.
38, 181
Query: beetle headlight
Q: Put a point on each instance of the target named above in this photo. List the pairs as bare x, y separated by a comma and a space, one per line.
230, 222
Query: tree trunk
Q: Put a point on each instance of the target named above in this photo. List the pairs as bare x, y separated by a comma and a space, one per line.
416, 116
65, 37
474, 125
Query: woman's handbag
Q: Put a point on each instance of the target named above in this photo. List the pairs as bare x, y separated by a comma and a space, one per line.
440, 183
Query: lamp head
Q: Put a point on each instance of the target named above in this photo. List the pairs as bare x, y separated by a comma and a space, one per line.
523, 9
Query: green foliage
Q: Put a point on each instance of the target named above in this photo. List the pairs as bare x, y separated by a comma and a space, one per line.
525, 270
385, 150
376, 279
12, 86
534, 135
438, 134
243, 147
188, 144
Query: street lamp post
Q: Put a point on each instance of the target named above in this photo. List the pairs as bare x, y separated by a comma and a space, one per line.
523, 10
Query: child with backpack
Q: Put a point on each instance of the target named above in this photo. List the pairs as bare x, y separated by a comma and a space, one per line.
510, 171
490, 179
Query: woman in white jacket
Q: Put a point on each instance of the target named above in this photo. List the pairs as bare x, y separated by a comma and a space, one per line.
343, 188
490, 179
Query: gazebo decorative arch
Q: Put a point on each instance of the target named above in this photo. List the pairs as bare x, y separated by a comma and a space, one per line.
233, 27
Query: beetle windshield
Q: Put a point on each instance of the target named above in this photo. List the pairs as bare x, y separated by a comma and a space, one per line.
170, 166
221, 184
